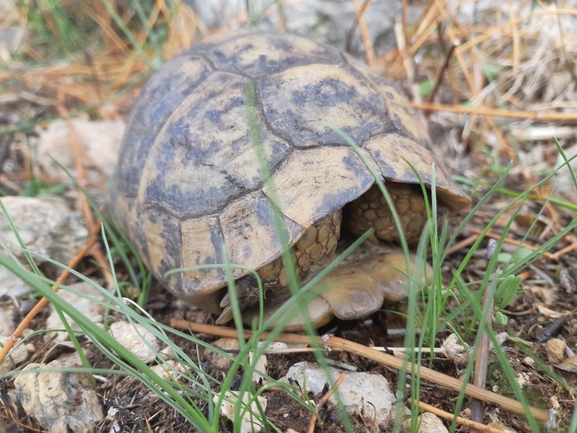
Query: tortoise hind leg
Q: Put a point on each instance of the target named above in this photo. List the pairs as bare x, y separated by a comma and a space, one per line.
247, 294
373, 276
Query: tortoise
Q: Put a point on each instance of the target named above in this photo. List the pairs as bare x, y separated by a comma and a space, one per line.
197, 178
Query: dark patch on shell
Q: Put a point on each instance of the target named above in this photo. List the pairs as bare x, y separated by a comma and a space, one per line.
159, 98
346, 195
164, 244
297, 112
278, 53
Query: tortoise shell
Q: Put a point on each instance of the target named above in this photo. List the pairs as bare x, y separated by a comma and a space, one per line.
189, 186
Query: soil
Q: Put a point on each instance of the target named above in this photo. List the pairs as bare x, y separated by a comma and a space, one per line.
140, 410
549, 282
135, 403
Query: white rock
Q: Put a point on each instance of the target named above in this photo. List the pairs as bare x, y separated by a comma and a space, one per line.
61, 402
89, 308
115, 428
453, 349
169, 370
428, 423
219, 361
309, 377
111, 414
251, 419
9, 315
18, 354
10, 284
361, 393
144, 346
523, 379
278, 346
46, 228
260, 366
167, 353
100, 141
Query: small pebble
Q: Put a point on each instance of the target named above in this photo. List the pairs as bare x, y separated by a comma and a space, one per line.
555, 350
218, 361
143, 343
250, 421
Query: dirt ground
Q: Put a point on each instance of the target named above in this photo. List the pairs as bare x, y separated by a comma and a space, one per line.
477, 145
139, 410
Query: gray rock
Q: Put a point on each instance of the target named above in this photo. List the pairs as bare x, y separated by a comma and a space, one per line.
9, 316
361, 393
61, 402
11, 284
98, 144
217, 360
46, 228
19, 354
428, 423
326, 21
100, 141
250, 422
90, 308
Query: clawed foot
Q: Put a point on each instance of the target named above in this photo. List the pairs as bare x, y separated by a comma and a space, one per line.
247, 293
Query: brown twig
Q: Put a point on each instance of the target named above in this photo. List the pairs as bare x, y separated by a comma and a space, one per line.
360, 21
408, 62
462, 244
281, 16
495, 112
383, 358
93, 223
323, 400
563, 251
460, 420
40, 305
427, 27
440, 72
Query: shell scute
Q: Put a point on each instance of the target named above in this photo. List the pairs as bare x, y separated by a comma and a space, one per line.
252, 55
250, 231
202, 244
163, 244
314, 183
401, 115
204, 155
298, 102
159, 98
396, 154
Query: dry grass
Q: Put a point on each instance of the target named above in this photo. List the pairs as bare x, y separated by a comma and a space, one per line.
501, 81
506, 61
97, 78
511, 60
